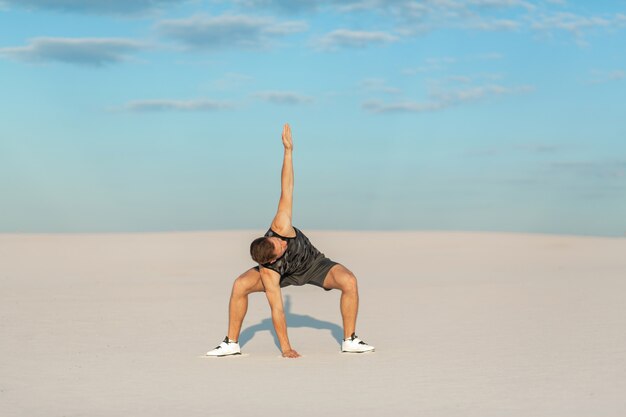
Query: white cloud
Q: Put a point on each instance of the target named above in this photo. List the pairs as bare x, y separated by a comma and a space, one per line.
570, 22
440, 100
431, 65
93, 6
378, 85
80, 51
418, 17
377, 106
283, 97
502, 4
289, 6
206, 32
476, 93
444, 83
176, 105
464, 79
600, 77
443, 64
493, 25
409, 18
353, 39
230, 81
617, 75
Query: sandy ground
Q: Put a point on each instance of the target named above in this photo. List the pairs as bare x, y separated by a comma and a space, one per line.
465, 324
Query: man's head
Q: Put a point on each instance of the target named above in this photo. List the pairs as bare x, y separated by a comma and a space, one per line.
267, 249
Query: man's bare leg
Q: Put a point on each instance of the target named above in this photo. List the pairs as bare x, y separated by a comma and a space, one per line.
341, 278
245, 284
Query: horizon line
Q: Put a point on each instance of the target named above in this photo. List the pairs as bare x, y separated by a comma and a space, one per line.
308, 230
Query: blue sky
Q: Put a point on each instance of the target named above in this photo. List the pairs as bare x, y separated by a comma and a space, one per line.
148, 115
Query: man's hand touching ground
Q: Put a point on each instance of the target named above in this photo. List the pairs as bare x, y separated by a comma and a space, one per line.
287, 137
291, 354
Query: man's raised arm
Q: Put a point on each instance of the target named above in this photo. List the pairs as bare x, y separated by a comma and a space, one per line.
282, 220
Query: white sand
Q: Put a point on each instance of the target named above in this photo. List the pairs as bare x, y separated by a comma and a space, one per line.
465, 324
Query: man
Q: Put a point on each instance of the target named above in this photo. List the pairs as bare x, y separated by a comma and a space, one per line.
286, 257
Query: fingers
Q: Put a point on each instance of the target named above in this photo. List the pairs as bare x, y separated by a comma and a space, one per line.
287, 136
291, 354
287, 131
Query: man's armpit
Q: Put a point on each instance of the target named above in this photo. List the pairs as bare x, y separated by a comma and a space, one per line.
269, 277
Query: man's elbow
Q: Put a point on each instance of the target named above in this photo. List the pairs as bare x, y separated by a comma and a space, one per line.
286, 191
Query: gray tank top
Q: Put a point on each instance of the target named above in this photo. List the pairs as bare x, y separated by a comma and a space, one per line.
298, 257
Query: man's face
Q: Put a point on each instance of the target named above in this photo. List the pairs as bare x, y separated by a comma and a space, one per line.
280, 246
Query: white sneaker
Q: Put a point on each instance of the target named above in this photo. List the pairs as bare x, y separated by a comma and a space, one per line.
355, 345
226, 348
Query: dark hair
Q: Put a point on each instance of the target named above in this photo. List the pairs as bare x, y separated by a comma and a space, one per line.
262, 250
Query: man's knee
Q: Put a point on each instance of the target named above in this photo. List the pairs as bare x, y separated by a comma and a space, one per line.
239, 285
352, 283
348, 282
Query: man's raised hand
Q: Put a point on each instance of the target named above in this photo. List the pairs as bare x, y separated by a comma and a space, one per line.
287, 137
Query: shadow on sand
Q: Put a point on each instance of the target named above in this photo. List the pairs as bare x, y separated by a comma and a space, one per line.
293, 320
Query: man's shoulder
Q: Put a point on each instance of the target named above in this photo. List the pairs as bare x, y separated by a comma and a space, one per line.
282, 220
284, 231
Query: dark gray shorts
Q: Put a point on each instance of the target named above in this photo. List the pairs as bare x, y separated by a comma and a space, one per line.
314, 275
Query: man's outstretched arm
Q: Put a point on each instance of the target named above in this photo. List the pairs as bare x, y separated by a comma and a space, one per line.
271, 283
282, 220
